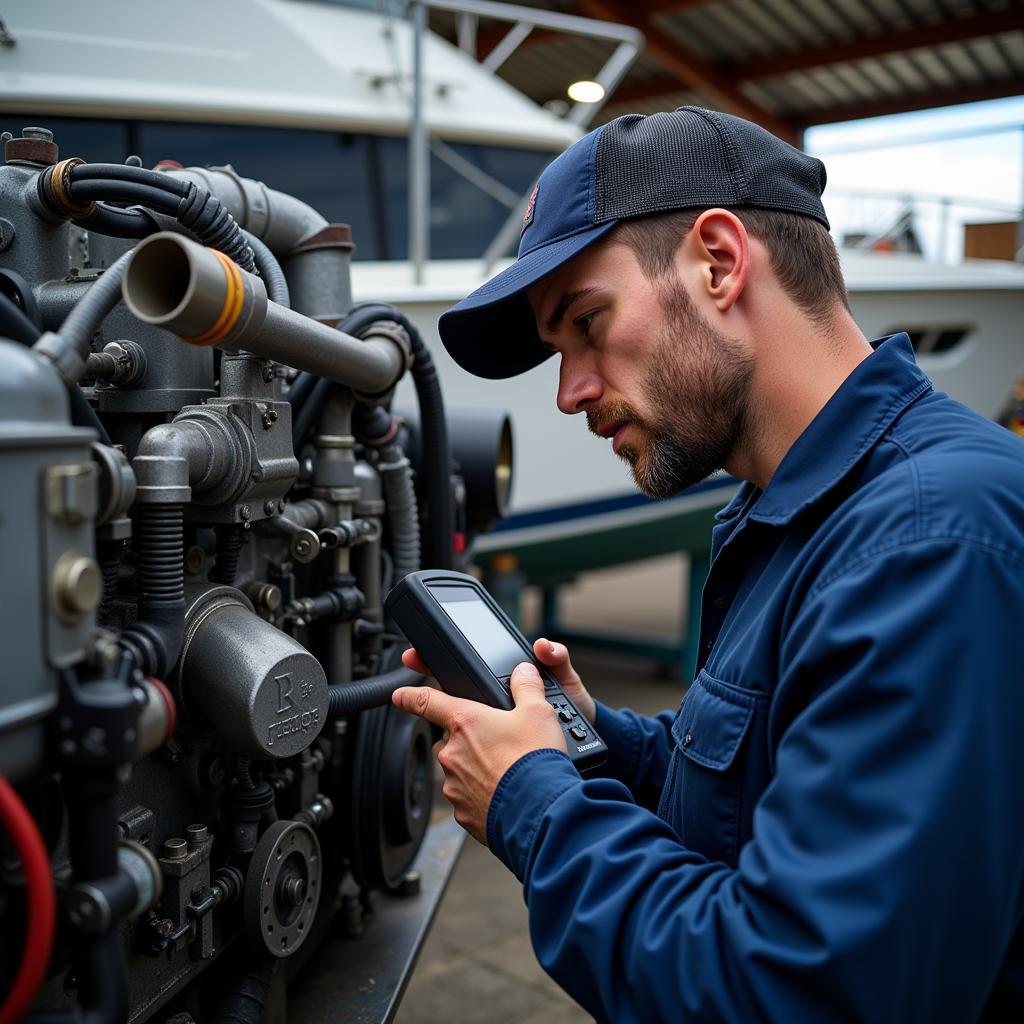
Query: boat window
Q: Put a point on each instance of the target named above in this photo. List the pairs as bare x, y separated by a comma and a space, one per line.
351, 178
932, 340
94, 140
328, 170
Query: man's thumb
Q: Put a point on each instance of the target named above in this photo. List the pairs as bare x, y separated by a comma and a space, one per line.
526, 682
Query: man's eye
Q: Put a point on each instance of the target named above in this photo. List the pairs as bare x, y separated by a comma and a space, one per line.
584, 322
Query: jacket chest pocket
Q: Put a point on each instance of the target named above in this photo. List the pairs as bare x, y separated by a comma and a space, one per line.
704, 792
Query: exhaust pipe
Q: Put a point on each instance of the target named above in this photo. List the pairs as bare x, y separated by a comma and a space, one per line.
206, 299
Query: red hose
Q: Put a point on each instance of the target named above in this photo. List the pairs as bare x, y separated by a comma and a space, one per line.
40, 911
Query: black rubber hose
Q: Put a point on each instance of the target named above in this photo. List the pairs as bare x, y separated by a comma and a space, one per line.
247, 995
126, 192
126, 172
196, 209
270, 270
155, 637
436, 459
119, 223
375, 692
230, 539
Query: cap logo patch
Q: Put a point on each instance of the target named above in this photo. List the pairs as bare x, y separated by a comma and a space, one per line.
528, 216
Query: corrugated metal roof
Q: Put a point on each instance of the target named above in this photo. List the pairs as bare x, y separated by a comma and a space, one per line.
794, 63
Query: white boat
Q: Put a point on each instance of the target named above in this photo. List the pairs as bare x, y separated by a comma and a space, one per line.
272, 85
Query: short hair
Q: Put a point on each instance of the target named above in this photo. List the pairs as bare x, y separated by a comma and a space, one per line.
802, 253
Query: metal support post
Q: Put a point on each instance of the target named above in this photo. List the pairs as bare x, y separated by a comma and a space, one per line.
419, 154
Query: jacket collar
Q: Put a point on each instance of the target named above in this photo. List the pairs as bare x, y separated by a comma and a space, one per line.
847, 428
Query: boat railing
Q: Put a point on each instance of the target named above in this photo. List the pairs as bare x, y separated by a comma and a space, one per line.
928, 224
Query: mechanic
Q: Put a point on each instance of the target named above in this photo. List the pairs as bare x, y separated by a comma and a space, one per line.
831, 826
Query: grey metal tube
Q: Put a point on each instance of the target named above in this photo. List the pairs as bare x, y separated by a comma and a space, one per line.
204, 298
280, 220
69, 347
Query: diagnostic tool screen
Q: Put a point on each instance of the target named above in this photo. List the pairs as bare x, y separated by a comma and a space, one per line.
478, 624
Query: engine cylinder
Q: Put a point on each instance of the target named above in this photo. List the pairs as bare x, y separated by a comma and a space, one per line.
262, 690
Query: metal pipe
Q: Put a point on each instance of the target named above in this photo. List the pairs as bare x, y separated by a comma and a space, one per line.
510, 42
419, 155
537, 16
204, 298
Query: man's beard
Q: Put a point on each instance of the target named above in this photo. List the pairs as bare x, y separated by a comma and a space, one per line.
699, 386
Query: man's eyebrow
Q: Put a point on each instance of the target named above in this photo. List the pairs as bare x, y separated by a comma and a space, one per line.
567, 299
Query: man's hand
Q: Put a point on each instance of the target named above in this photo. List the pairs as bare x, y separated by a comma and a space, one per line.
481, 743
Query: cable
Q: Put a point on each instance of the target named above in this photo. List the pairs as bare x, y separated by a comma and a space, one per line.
375, 692
270, 270
41, 905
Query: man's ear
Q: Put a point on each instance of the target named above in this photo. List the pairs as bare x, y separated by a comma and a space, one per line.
721, 247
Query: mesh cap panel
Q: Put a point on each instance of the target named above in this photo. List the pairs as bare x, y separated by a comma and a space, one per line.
695, 157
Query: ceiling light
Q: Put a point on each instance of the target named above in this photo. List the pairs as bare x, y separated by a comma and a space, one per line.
586, 92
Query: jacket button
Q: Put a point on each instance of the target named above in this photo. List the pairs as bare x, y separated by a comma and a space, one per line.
719, 603
687, 739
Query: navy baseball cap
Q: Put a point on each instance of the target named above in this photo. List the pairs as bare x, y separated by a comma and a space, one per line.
629, 167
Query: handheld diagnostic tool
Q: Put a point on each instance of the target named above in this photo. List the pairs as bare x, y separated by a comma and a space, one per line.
472, 648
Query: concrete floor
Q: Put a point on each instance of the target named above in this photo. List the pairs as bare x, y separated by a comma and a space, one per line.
477, 962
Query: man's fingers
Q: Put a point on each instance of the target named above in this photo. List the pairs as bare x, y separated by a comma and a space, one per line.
526, 684
411, 659
433, 705
555, 656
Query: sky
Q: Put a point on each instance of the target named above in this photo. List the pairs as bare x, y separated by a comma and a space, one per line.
975, 153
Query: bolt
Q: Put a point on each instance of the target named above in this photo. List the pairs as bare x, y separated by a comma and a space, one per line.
42, 134
6, 137
134, 160
163, 927
77, 585
410, 885
245, 512
195, 559
268, 372
197, 834
266, 596
269, 418
175, 849
270, 506
280, 505
293, 892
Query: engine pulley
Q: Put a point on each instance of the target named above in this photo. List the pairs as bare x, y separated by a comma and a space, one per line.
282, 888
391, 795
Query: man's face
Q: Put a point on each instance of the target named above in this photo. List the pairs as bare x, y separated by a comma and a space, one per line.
646, 366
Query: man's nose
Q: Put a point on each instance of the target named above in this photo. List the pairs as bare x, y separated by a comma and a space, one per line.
578, 389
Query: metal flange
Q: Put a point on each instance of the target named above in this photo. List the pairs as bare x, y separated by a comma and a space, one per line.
282, 888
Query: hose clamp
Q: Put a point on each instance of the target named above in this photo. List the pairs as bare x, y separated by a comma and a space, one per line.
57, 186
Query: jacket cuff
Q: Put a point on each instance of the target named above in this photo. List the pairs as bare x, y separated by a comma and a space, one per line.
622, 737
520, 801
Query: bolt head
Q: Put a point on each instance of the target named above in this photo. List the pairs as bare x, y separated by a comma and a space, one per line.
270, 507
245, 512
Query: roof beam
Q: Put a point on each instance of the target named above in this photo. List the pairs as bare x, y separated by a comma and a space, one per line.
955, 30
919, 101
692, 71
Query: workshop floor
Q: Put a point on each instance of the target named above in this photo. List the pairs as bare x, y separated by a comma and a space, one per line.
477, 961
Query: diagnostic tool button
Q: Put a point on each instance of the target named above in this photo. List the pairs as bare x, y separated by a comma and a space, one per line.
578, 733
565, 714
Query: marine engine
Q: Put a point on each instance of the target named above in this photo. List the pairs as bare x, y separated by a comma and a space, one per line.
207, 490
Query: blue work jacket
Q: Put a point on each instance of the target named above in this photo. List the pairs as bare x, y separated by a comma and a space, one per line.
831, 826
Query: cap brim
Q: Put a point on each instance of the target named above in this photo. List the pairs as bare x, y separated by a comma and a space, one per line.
492, 332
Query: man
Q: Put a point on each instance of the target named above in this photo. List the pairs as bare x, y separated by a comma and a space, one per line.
831, 826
